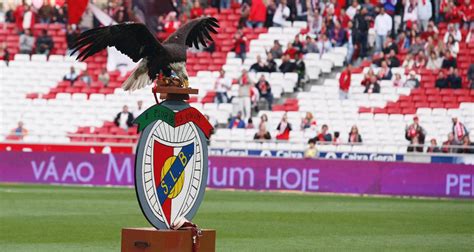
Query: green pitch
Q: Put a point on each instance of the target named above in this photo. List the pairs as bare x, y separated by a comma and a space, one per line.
54, 218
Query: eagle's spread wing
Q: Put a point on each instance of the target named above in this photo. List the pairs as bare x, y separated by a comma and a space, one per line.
194, 32
132, 39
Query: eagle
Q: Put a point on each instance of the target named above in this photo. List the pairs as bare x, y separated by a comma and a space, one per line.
138, 43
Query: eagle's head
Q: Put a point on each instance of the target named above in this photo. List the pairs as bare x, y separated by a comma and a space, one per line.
180, 69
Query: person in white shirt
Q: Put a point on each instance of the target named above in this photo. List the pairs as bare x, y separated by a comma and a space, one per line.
383, 26
282, 12
352, 10
323, 44
139, 110
410, 15
124, 119
452, 31
424, 13
221, 86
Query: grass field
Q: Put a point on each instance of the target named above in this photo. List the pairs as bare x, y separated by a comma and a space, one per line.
53, 218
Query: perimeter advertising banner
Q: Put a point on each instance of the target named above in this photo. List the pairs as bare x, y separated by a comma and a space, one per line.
253, 173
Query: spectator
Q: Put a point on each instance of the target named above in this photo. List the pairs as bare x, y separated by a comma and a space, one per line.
424, 9
310, 45
361, 25
297, 44
459, 131
453, 46
367, 77
104, 77
196, 11
300, 70
373, 87
276, 50
271, 8
139, 109
263, 120
171, 23
452, 31
324, 136
5, 54
351, 40
343, 19
420, 60
467, 10
416, 135
244, 14
46, 13
290, 50
345, 82
315, 22
284, 128
412, 81
225, 4
72, 76
29, 18
265, 91
44, 43
336, 140
240, 44
124, 119
245, 83
392, 59
441, 82
60, 15
221, 86
271, 65
417, 46
466, 147
337, 35
398, 80
324, 45
383, 27
308, 121
27, 42
19, 132
448, 145
262, 133
454, 80
434, 62
257, 15
311, 152
250, 124
384, 72
258, 66
409, 62
352, 10
237, 122
254, 97
71, 37
448, 61
410, 15
389, 46
354, 136
86, 77
287, 66
470, 75
433, 148
282, 12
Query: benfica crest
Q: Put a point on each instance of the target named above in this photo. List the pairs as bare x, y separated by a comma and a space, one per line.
171, 163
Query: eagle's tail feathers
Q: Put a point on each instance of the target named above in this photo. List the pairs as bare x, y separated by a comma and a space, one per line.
138, 79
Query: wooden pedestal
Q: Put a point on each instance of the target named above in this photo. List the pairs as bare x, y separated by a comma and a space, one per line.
150, 239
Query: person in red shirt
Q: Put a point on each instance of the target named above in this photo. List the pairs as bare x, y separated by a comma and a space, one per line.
171, 24
257, 15
345, 82
284, 128
240, 44
453, 15
343, 19
290, 51
196, 11
467, 13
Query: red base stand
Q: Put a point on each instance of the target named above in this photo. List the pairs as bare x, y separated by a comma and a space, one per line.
150, 239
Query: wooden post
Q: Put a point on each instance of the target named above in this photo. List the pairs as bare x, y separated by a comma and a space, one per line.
150, 239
